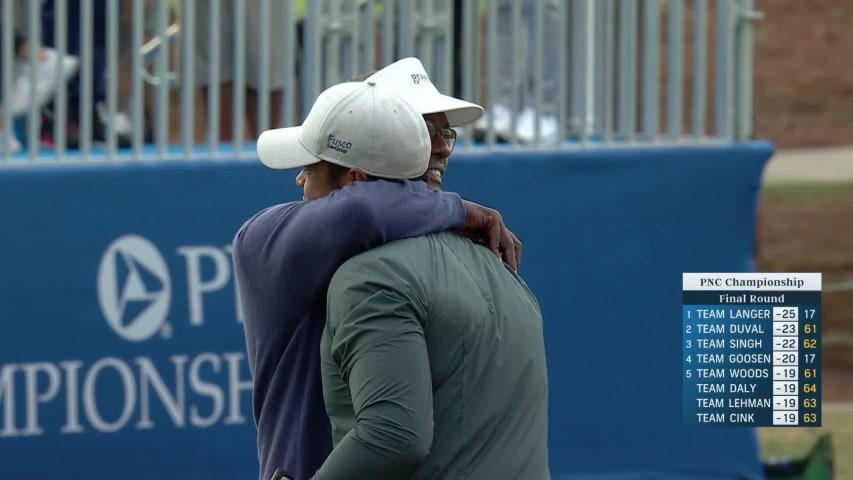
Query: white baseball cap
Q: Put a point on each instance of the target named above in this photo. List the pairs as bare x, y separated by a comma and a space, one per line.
409, 78
356, 125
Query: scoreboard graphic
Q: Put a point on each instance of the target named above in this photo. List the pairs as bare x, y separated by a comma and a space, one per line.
751, 349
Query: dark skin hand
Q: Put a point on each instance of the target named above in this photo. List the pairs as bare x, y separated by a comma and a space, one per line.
486, 225
482, 224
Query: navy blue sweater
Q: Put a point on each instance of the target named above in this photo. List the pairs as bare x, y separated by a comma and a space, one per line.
284, 258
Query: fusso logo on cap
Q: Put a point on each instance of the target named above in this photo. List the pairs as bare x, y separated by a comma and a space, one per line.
337, 144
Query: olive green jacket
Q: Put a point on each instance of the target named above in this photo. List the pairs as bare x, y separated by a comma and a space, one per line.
433, 365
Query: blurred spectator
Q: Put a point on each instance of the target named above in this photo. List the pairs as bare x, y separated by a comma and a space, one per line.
23, 91
227, 31
518, 55
101, 116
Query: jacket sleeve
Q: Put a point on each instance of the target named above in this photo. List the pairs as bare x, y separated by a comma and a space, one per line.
377, 341
310, 240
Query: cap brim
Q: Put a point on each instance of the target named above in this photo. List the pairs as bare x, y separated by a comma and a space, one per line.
459, 112
425, 97
281, 149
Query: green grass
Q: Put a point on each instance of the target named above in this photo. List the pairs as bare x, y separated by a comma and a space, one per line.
796, 191
796, 441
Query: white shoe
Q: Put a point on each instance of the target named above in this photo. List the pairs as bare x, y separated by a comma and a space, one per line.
47, 78
122, 124
14, 145
121, 121
526, 127
502, 120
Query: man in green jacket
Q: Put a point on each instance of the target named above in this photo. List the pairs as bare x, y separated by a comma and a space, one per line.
433, 366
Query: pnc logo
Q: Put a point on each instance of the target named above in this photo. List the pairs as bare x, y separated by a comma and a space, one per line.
134, 289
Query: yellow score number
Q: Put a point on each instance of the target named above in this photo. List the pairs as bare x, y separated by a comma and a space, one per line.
810, 343
809, 418
809, 403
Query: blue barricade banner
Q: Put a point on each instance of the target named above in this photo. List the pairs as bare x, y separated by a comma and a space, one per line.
122, 351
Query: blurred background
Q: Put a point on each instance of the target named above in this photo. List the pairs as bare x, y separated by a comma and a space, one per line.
170, 74
138, 117
804, 105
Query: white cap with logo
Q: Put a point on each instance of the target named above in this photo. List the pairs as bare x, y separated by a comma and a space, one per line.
356, 125
409, 78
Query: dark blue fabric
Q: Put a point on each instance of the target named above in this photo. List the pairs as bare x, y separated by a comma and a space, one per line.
284, 259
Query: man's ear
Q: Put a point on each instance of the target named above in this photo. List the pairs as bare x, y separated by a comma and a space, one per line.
357, 175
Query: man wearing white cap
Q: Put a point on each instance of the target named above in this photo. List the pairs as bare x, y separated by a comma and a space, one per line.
441, 112
285, 256
433, 355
